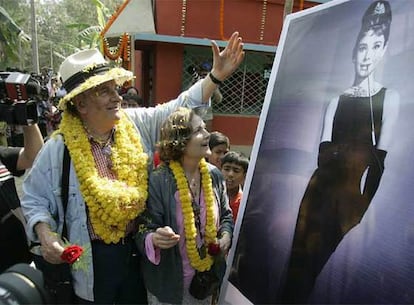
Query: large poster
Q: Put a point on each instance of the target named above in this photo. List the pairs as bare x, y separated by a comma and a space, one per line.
328, 209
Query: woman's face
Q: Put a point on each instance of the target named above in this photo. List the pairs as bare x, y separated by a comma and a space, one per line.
369, 52
198, 147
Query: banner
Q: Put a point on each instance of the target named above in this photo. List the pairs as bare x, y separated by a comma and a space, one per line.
328, 209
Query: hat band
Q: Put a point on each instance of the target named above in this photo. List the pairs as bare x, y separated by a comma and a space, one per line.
80, 77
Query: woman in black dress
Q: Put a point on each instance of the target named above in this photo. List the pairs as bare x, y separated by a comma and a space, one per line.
355, 138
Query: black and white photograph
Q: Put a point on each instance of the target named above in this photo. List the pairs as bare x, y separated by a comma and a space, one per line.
328, 215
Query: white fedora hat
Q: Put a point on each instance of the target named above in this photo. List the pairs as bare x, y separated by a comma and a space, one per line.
87, 69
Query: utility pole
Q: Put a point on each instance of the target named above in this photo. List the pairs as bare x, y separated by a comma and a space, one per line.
35, 51
20, 55
51, 56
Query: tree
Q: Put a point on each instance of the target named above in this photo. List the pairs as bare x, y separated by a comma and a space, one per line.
63, 26
12, 36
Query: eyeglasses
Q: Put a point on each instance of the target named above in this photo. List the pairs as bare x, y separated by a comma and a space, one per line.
105, 90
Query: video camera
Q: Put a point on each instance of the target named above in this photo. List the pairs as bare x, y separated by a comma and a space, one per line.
22, 284
19, 94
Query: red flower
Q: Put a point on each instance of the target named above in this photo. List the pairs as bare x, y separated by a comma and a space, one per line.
213, 249
71, 254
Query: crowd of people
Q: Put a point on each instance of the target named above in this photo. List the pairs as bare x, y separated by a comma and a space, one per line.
154, 233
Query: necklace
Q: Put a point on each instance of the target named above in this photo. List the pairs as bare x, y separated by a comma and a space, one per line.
196, 205
112, 204
194, 185
104, 144
101, 141
358, 91
199, 261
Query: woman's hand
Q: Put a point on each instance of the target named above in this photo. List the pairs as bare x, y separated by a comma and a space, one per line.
165, 238
225, 242
224, 64
228, 60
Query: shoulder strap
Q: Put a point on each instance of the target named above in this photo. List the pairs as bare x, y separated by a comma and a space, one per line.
65, 187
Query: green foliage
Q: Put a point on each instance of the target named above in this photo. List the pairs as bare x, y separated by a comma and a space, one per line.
63, 26
10, 28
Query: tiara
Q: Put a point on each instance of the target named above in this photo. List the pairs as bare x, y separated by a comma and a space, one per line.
379, 9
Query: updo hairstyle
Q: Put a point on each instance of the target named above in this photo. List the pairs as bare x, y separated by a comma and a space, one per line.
377, 18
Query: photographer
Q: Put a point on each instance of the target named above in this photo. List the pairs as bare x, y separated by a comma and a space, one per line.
13, 162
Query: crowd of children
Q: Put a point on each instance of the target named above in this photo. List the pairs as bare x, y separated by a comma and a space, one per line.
233, 165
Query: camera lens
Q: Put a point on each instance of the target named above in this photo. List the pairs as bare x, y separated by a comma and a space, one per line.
22, 284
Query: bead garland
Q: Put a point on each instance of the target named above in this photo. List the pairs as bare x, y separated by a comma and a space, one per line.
183, 16
263, 22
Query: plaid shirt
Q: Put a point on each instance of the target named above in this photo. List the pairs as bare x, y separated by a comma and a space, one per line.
104, 166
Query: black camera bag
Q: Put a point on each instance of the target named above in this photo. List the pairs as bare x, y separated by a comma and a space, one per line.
57, 277
204, 284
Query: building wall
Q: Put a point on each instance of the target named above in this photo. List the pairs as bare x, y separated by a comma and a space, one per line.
240, 129
202, 20
167, 71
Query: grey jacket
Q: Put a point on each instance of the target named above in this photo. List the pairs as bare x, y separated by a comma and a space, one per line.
165, 280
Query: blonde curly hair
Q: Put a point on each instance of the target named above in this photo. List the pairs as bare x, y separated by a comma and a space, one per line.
176, 132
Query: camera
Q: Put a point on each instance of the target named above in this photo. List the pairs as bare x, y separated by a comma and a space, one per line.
22, 284
19, 94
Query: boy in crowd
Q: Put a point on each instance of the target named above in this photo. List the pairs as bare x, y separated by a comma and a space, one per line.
219, 145
234, 168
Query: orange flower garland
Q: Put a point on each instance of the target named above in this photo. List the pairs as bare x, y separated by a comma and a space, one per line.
121, 51
222, 20
262, 24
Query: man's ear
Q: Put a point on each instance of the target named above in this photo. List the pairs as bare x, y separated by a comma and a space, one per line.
80, 104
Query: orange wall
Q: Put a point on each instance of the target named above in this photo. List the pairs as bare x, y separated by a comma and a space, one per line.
202, 19
167, 71
241, 130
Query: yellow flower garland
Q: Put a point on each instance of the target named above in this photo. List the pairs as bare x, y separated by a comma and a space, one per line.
112, 204
198, 263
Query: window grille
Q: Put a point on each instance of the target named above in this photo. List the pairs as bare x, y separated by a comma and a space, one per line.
244, 92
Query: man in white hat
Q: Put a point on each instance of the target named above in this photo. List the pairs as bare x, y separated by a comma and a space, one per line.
110, 151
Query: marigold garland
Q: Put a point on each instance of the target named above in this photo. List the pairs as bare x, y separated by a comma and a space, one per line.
198, 263
122, 50
222, 20
112, 204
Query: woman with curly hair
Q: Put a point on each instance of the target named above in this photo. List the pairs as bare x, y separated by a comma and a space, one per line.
187, 227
